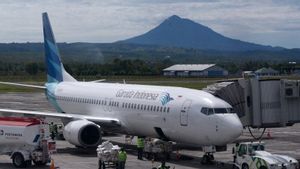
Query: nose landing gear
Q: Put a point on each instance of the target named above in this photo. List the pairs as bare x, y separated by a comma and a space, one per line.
208, 158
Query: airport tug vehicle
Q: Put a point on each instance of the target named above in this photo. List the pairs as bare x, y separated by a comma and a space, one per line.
252, 155
156, 147
25, 140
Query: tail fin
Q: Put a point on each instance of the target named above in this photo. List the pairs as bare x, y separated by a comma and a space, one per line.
55, 69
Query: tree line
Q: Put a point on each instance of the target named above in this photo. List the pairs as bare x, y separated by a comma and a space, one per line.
126, 67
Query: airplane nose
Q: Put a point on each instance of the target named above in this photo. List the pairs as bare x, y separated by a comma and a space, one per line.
230, 127
235, 127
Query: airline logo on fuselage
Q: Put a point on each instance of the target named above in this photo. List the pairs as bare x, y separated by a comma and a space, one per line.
137, 95
165, 98
131, 94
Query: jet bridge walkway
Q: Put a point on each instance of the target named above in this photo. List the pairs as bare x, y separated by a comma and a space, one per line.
261, 103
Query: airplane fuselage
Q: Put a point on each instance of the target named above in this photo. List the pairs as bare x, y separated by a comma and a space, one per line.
173, 113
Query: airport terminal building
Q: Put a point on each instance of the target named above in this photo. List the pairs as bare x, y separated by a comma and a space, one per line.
195, 70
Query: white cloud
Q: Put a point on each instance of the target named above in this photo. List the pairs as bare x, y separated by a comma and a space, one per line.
271, 22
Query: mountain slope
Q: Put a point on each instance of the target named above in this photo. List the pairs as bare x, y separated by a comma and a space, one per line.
179, 32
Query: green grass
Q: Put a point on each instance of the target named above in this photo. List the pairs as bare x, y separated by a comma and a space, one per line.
10, 88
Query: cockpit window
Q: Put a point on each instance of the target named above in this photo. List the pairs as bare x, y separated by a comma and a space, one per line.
209, 111
204, 110
220, 110
230, 110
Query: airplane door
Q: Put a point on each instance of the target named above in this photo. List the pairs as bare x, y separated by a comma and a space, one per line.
184, 112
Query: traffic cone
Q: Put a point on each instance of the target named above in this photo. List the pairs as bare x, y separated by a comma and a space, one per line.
269, 134
52, 164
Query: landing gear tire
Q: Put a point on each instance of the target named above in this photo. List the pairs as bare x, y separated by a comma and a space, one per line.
207, 159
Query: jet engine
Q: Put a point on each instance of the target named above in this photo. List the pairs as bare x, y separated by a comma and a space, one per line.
83, 133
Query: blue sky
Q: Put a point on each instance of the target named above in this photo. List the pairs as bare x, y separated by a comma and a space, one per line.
268, 22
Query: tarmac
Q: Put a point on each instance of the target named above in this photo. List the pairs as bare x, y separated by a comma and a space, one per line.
278, 140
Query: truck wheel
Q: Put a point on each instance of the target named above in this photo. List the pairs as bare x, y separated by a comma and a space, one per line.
245, 166
18, 160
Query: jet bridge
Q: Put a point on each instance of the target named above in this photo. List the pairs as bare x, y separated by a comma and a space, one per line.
261, 103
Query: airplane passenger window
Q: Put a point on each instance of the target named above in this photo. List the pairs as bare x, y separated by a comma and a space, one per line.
220, 110
157, 108
164, 109
138, 106
168, 109
161, 109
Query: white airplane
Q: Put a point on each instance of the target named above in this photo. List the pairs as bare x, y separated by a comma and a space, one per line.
170, 113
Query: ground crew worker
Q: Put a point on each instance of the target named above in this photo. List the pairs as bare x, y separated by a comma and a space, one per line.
140, 147
234, 151
55, 130
52, 130
122, 156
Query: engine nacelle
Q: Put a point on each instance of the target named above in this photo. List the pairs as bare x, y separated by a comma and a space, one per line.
83, 133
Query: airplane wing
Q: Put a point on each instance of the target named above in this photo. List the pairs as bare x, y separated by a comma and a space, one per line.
97, 81
108, 123
23, 85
